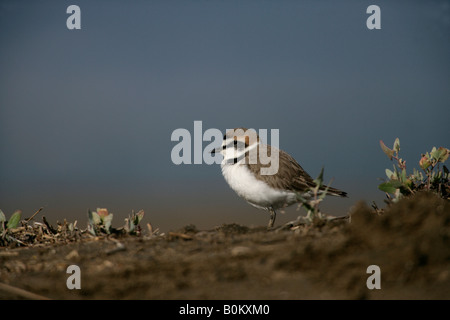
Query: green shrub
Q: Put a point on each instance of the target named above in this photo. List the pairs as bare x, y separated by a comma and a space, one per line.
433, 176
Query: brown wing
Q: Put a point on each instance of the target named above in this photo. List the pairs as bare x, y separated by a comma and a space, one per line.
290, 175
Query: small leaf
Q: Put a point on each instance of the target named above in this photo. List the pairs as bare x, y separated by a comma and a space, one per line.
386, 187
91, 229
14, 220
107, 220
386, 150
140, 215
2, 221
397, 145
445, 156
435, 153
440, 154
403, 176
390, 187
424, 162
94, 218
389, 174
129, 225
319, 180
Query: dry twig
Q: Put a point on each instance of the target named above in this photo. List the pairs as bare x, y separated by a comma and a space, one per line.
21, 292
30, 218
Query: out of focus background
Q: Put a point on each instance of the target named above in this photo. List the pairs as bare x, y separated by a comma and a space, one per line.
86, 116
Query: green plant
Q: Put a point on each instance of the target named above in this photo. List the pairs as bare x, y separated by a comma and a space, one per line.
100, 223
434, 176
132, 222
6, 226
12, 223
318, 193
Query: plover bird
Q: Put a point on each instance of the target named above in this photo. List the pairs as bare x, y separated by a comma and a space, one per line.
242, 167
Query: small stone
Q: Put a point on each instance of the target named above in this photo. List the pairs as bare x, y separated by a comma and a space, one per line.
240, 251
72, 255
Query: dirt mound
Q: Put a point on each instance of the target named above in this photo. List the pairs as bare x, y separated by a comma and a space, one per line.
410, 243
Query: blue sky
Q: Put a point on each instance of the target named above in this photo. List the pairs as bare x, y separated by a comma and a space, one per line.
86, 115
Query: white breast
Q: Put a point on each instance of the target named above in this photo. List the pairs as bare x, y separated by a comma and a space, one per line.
255, 191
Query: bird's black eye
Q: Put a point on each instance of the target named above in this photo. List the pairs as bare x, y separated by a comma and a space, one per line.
235, 142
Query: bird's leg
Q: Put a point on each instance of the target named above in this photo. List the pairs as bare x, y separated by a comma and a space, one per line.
273, 215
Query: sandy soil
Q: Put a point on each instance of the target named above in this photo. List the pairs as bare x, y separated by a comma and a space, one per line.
410, 243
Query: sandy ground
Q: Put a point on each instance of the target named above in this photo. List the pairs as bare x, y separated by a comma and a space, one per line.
410, 243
